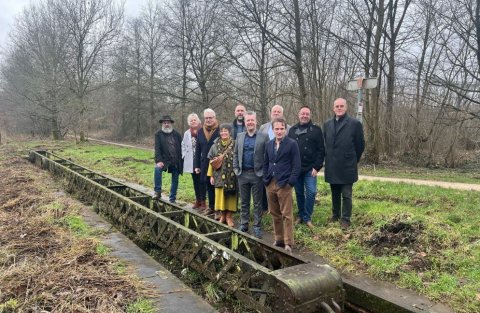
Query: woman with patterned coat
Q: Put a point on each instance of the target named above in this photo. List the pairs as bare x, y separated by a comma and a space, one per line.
224, 178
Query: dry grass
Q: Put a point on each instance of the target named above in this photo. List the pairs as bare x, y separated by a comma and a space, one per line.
43, 266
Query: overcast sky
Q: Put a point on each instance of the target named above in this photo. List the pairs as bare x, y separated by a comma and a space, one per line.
9, 9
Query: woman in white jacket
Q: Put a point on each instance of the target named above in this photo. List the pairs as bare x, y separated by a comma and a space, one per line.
189, 143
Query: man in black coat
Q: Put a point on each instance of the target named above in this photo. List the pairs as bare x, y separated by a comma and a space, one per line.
344, 143
309, 138
205, 138
168, 157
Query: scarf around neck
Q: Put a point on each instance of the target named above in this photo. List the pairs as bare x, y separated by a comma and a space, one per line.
209, 130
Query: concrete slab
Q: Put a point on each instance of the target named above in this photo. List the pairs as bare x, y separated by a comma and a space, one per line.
173, 295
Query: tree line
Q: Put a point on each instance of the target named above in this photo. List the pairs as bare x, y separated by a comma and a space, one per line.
82, 66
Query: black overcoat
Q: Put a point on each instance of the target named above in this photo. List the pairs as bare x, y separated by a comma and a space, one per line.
344, 146
161, 150
200, 159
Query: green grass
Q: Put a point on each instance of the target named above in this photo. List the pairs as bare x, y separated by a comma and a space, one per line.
447, 240
141, 306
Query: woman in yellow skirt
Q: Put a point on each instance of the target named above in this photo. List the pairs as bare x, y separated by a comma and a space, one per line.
221, 175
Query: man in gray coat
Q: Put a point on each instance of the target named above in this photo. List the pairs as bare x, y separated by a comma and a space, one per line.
248, 166
344, 145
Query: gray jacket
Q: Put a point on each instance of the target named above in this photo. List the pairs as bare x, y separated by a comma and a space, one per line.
258, 153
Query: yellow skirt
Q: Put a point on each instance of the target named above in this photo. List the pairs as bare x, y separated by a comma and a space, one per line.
225, 202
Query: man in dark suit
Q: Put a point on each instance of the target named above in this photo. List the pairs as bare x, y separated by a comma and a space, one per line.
248, 166
281, 169
168, 157
205, 138
344, 145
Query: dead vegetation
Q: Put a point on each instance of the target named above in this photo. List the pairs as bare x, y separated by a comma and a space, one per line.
43, 266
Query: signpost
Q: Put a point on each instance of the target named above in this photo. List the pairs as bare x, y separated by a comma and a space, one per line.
360, 84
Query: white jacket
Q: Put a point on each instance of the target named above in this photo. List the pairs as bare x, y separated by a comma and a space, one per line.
187, 152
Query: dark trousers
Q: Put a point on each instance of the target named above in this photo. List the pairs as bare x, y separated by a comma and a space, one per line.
206, 187
196, 186
341, 201
251, 187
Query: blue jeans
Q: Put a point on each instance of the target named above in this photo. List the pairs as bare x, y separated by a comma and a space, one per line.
157, 181
306, 190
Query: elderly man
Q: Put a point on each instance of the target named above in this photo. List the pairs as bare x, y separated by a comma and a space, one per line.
309, 138
248, 166
205, 138
239, 121
267, 128
168, 157
281, 168
344, 143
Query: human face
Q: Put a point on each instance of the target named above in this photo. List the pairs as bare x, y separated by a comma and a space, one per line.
340, 107
194, 122
224, 133
251, 122
210, 118
277, 111
304, 116
279, 130
239, 112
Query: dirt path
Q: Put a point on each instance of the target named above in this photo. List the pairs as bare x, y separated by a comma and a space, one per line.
443, 184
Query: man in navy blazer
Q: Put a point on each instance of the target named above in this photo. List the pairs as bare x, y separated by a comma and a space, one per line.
281, 169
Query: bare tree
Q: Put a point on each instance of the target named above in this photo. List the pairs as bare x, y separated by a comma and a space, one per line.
92, 26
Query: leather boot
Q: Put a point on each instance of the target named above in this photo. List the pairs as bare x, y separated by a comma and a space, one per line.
223, 217
229, 218
218, 215
196, 204
202, 205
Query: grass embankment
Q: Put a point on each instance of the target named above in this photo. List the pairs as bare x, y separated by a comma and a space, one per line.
50, 260
423, 238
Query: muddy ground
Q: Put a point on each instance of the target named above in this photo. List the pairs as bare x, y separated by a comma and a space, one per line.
44, 266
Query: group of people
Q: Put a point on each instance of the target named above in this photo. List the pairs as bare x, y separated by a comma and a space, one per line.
263, 166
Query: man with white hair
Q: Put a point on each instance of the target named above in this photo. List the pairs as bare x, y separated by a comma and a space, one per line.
168, 157
205, 138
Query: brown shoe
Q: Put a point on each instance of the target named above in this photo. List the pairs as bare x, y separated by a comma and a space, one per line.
229, 218
298, 221
223, 216
344, 224
196, 204
309, 225
201, 205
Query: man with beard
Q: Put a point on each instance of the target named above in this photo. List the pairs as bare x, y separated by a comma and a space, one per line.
205, 138
168, 157
239, 121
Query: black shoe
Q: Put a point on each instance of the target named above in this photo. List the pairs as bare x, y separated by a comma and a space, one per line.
243, 228
157, 195
344, 224
257, 233
332, 219
279, 243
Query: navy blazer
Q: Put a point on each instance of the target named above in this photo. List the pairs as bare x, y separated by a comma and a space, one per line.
285, 165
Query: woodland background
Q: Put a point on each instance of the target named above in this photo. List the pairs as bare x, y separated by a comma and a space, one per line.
81, 67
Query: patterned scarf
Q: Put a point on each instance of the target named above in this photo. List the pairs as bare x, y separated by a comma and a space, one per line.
228, 176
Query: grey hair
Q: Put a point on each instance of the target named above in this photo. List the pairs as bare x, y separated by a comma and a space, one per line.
251, 113
192, 115
208, 110
277, 105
